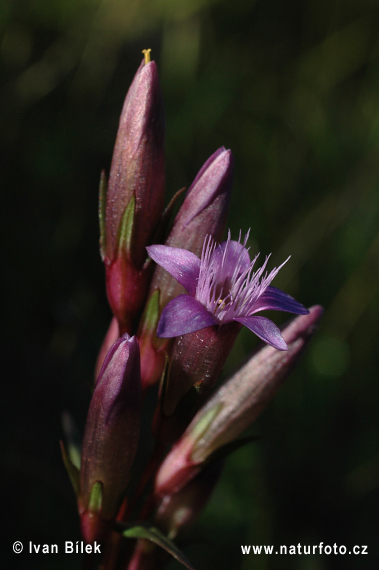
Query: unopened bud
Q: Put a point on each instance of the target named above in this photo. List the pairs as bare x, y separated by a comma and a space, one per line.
235, 405
111, 432
203, 212
132, 204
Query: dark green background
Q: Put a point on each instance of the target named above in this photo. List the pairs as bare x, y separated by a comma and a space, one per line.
292, 87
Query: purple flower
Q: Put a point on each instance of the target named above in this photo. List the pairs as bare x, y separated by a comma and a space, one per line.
222, 288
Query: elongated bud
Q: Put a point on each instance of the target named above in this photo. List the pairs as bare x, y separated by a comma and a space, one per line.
235, 405
204, 211
111, 435
131, 206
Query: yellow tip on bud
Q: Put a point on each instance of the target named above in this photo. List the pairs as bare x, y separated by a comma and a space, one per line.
146, 53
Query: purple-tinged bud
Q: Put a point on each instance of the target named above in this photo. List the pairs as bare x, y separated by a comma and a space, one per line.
131, 206
203, 212
235, 405
111, 436
137, 165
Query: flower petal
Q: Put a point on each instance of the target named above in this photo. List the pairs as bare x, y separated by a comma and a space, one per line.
278, 300
180, 263
184, 315
265, 329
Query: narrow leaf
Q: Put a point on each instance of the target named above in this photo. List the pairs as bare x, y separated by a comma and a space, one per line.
151, 315
157, 537
96, 497
162, 230
126, 228
73, 472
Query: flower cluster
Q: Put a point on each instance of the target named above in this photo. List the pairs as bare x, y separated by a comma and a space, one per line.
179, 297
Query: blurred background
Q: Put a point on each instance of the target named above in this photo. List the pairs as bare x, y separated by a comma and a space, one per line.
292, 87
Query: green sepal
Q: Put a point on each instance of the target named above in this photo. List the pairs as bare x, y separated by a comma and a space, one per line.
125, 231
147, 532
200, 429
163, 382
151, 314
102, 213
72, 439
95, 500
163, 226
72, 470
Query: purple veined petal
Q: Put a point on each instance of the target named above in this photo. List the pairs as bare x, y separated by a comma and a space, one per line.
183, 265
183, 315
278, 300
265, 329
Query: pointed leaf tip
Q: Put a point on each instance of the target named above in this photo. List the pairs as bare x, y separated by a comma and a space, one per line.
157, 537
72, 470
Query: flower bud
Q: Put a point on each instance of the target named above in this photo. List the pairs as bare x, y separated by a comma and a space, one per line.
111, 434
203, 212
235, 405
131, 206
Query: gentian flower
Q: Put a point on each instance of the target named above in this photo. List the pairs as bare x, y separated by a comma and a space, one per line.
223, 287
203, 212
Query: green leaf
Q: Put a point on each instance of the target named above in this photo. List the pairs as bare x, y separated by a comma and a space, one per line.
96, 497
102, 213
162, 230
73, 472
72, 439
154, 535
126, 228
151, 315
